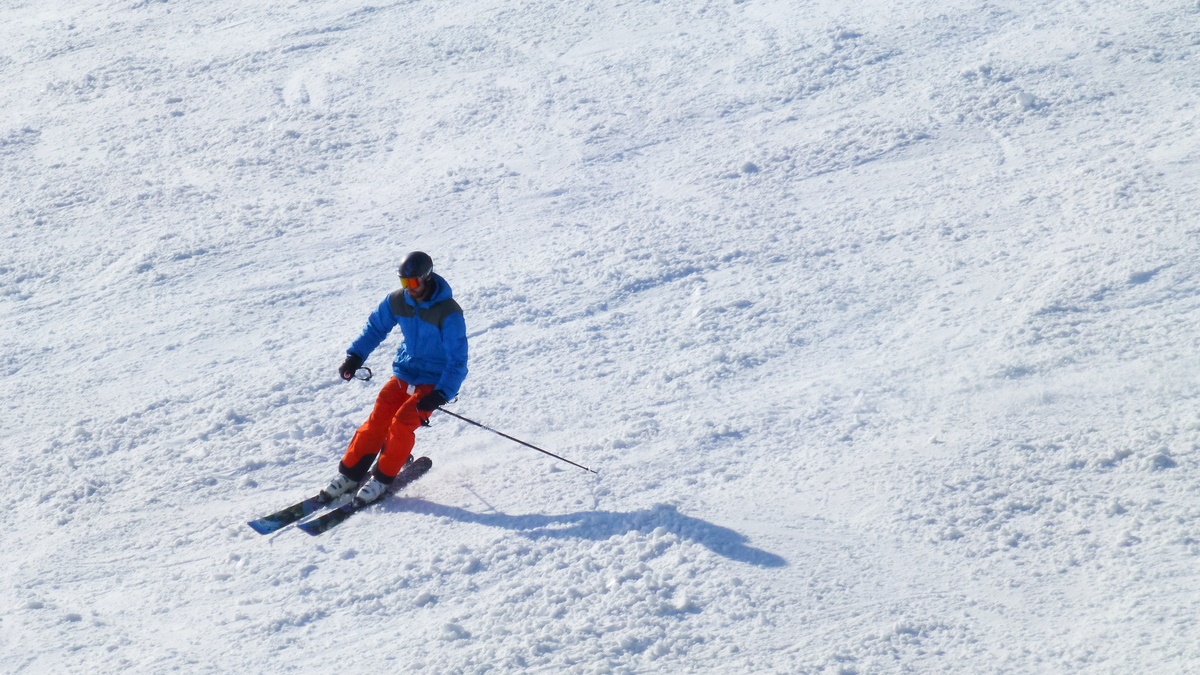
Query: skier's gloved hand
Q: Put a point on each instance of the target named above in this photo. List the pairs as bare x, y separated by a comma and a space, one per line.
431, 401
350, 366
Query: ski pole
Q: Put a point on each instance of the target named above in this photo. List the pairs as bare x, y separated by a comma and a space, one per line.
517, 440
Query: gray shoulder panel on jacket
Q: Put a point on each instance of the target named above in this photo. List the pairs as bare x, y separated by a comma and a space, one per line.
435, 315
399, 306
438, 313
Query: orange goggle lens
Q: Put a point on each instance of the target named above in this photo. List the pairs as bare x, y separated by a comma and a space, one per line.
410, 282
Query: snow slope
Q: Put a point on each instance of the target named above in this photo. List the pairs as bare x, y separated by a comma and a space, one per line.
877, 321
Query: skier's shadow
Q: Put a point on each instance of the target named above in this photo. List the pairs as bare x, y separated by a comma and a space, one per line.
600, 525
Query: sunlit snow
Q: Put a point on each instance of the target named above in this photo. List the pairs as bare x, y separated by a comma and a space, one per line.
878, 321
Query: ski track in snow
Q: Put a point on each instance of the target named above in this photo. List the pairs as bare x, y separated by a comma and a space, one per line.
876, 321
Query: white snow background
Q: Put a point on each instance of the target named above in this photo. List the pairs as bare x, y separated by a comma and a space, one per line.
877, 319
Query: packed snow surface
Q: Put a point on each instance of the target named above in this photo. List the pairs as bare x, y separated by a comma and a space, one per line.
877, 320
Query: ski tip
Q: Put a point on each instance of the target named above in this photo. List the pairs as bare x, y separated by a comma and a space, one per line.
261, 527
310, 527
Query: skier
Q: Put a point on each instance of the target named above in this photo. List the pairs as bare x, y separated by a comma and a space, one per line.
430, 366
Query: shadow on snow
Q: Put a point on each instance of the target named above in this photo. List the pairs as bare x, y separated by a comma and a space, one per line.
601, 525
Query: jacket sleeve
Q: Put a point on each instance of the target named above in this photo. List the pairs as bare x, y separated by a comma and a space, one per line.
454, 342
379, 324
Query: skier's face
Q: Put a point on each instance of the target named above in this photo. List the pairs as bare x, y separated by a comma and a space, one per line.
416, 287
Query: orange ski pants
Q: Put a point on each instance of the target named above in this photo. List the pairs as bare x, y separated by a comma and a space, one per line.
392, 426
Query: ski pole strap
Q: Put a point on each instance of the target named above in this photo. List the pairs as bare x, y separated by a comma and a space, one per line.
517, 440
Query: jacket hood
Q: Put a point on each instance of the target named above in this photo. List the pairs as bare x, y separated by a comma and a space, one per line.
441, 291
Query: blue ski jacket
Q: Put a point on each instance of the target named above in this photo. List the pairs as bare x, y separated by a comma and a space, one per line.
434, 350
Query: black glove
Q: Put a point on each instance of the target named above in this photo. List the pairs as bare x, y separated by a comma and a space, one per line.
350, 366
431, 401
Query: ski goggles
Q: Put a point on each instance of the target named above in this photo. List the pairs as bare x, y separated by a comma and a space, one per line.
411, 283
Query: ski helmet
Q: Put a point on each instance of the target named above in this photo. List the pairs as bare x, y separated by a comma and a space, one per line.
416, 265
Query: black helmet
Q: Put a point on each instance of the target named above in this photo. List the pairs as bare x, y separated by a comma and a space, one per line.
416, 265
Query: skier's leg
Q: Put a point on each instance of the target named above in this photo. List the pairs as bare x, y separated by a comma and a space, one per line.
372, 434
401, 435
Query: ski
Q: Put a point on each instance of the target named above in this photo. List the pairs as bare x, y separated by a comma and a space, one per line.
286, 516
330, 520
